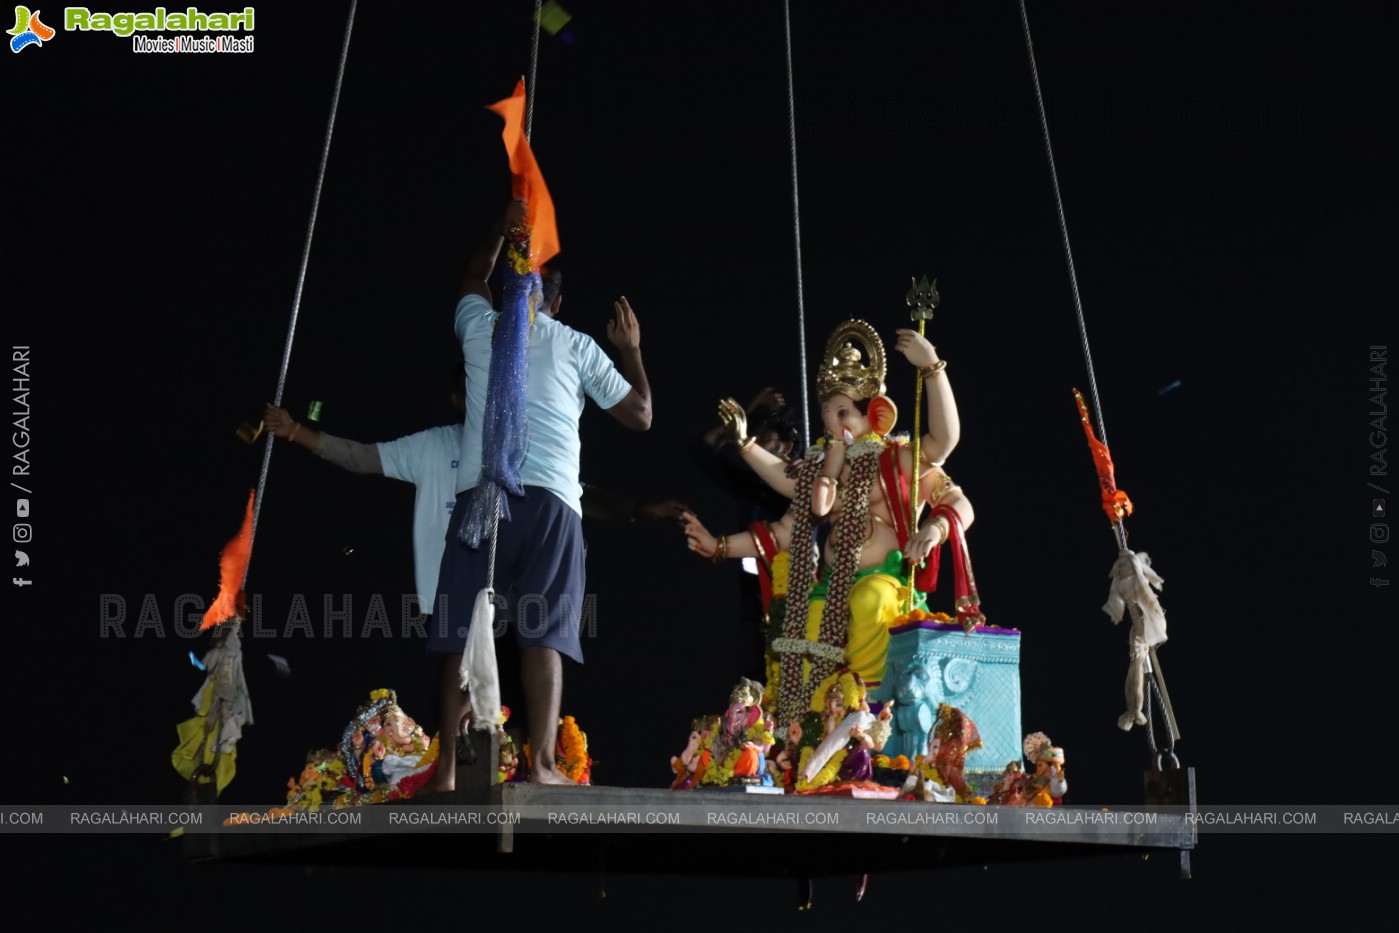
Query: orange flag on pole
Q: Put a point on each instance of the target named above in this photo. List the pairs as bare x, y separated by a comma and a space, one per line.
233, 567
1115, 501
526, 180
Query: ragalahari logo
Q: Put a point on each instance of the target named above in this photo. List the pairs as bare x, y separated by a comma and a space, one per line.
29, 30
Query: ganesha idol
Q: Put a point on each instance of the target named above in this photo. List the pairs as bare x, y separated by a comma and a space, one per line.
730, 750
386, 753
885, 513
842, 761
1045, 787
938, 776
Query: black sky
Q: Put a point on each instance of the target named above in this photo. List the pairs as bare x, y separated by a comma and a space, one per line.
1227, 179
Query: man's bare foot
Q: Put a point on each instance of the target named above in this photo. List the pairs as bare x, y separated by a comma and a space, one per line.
551, 776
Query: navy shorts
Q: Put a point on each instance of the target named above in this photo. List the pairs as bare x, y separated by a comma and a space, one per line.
539, 575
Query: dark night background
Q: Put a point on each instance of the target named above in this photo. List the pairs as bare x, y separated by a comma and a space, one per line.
1224, 175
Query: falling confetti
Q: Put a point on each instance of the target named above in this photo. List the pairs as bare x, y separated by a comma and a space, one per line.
1164, 389
281, 664
348, 550
196, 662
313, 413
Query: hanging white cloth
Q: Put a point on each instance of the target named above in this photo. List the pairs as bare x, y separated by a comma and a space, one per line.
480, 675
1133, 589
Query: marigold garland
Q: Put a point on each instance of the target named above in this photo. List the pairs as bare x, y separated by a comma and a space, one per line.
570, 752
781, 566
921, 615
827, 775
576, 763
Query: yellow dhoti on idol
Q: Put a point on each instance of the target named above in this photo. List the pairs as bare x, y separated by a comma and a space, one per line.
877, 598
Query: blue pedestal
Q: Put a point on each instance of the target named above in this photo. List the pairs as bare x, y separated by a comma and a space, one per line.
935, 662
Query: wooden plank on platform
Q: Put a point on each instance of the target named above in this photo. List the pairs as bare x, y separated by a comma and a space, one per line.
528, 825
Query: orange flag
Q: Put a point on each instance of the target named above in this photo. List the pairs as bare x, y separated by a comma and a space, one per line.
233, 567
1115, 501
526, 181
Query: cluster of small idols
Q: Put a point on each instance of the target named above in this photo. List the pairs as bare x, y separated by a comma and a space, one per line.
834, 749
383, 755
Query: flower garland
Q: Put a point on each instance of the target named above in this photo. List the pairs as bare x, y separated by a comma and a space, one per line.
827, 653
710, 769
574, 744
802, 569
570, 752
827, 775
780, 568
848, 540
718, 758
920, 615
900, 763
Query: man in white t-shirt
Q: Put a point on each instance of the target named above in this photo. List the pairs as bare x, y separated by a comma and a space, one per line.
539, 551
427, 459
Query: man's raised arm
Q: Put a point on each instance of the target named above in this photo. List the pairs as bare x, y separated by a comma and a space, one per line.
480, 262
346, 454
634, 410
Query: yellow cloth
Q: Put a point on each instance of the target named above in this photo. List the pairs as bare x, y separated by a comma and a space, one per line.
187, 757
876, 600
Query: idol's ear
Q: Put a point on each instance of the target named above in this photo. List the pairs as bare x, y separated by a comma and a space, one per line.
883, 413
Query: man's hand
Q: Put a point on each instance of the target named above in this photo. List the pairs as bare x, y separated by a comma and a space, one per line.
634, 410
623, 330
278, 420
767, 399
735, 421
516, 213
915, 348
661, 510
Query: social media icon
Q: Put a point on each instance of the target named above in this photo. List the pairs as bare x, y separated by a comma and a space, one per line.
23, 533
1376, 508
22, 508
1379, 533
21, 582
1378, 558
21, 559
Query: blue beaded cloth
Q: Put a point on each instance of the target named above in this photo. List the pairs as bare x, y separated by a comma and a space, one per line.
505, 437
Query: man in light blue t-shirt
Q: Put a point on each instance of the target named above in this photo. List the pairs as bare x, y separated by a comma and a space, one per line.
539, 551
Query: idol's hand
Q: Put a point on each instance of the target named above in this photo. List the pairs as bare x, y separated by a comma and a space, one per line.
921, 544
701, 541
735, 421
915, 348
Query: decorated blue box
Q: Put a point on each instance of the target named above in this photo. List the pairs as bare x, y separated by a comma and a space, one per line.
979, 673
